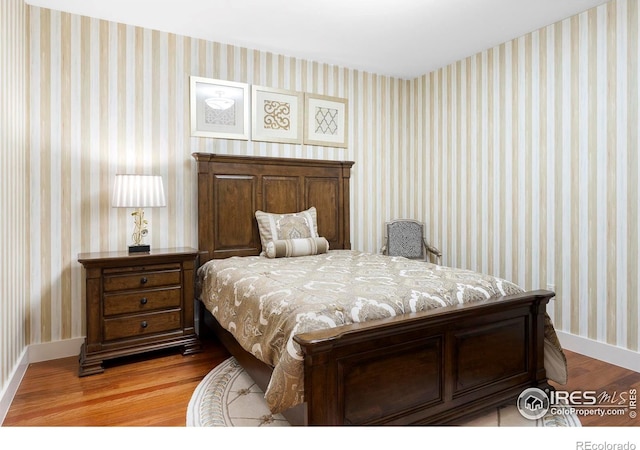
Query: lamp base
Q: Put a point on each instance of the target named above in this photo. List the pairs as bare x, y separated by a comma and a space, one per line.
139, 248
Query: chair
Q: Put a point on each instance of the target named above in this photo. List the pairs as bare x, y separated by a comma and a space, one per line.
405, 237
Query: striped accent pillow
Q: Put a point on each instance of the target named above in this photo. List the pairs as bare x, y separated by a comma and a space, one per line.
275, 227
284, 248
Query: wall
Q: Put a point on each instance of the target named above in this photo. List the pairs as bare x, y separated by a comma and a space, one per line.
534, 166
14, 189
107, 98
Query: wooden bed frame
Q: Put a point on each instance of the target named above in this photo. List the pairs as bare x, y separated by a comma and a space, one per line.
435, 367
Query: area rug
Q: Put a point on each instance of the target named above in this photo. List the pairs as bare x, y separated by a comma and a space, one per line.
228, 397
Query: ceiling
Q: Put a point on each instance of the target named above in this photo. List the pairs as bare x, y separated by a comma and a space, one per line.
399, 38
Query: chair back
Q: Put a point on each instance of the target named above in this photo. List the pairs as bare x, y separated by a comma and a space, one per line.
405, 238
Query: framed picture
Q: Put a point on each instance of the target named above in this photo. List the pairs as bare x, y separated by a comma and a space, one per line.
325, 121
276, 115
219, 109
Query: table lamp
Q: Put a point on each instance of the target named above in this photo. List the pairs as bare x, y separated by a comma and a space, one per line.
138, 191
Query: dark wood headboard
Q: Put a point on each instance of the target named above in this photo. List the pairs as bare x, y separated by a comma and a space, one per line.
231, 189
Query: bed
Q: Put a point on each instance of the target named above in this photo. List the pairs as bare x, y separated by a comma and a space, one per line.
419, 360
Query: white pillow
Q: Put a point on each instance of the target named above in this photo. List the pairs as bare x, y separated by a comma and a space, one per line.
275, 227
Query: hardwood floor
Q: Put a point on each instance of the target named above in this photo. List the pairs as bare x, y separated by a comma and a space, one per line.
135, 391
588, 374
155, 391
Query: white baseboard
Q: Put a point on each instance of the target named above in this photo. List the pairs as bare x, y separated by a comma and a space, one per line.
32, 354
55, 350
7, 394
611, 354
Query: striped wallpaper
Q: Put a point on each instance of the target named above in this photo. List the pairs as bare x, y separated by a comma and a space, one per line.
108, 98
14, 187
521, 159
531, 156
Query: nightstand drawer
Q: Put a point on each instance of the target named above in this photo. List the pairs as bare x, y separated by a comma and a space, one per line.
141, 280
140, 325
142, 301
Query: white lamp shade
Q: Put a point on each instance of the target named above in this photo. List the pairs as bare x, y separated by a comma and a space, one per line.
138, 191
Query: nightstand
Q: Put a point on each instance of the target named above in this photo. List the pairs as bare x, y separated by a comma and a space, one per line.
136, 303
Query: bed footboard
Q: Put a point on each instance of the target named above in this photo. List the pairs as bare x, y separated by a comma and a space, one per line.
434, 367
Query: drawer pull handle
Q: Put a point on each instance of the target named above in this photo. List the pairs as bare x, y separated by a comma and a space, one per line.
143, 280
143, 301
144, 324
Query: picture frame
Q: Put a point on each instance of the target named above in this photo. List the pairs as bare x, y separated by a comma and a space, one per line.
219, 108
276, 115
325, 121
